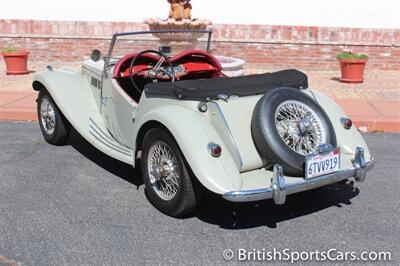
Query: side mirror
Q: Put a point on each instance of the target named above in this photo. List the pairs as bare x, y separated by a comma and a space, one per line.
165, 49
96, 55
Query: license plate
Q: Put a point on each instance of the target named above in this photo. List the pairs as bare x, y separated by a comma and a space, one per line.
322, 164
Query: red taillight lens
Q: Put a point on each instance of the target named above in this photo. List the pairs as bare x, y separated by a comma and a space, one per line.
214, 149
347, 123
217, 151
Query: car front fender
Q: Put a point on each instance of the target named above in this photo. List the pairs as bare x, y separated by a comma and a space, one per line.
193, 132
65, 86
56, 79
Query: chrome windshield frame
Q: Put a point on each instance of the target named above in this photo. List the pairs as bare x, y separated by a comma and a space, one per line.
133, 33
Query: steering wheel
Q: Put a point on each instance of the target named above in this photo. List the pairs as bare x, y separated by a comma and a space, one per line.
154, 71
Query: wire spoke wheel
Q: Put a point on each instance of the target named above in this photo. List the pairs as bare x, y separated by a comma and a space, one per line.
54, 126
288, 124
163, 170
47, 116
169, 182
299, 127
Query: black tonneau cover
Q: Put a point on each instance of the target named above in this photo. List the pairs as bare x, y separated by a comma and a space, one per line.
209, 89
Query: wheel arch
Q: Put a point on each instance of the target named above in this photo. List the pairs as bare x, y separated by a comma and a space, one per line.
145, 128
193, 133
38, 86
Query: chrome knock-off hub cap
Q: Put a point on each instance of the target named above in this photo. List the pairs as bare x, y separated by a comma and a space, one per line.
47, 116
163, 170
299, 127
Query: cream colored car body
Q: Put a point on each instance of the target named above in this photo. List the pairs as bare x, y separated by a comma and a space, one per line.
112, 122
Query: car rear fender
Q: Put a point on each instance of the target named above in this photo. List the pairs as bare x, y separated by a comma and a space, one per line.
347, 139
193, 132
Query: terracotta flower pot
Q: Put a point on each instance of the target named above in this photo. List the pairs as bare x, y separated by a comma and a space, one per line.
352, 70
16, 62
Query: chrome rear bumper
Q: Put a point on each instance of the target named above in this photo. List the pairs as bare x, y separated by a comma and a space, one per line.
279, 189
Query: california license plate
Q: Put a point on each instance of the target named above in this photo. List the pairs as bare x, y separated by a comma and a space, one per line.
322, 164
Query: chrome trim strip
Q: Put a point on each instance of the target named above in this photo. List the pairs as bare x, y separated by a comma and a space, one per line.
100, 133
279, 189
112, 145
108, 145
109, 137
114, 38
239, 157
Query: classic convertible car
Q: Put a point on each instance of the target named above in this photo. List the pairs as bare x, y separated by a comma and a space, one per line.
245, 138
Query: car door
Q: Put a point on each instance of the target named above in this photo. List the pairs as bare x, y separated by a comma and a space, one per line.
118, 111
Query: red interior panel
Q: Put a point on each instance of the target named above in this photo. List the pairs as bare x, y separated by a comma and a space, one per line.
196, 65
124, 63
194, 61
197, 55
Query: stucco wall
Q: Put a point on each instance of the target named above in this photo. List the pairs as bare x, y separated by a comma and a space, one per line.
338, 13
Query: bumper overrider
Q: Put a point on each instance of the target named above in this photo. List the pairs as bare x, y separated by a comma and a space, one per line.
279, 189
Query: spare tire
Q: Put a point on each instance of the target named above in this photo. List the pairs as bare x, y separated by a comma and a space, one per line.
287, 125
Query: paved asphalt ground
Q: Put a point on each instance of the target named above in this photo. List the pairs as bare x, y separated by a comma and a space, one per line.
72, 205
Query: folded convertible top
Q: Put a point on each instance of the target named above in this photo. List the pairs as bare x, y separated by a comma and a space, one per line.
209, 89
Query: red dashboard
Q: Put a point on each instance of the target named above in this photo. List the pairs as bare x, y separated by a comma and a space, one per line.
190, 64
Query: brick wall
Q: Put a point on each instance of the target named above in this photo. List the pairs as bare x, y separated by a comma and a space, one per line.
259, 45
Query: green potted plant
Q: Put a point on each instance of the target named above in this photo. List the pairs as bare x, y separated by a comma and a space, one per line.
16, 61
352, 66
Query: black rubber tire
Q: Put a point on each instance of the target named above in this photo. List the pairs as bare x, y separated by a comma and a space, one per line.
268, 142
62, 126
188, 195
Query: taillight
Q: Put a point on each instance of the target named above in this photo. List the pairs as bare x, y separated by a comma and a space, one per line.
214, 149
346, 122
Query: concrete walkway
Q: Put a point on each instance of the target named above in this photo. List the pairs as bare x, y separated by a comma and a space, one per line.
373, 105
